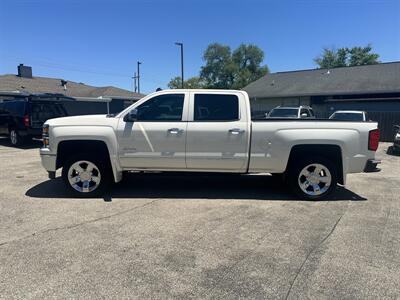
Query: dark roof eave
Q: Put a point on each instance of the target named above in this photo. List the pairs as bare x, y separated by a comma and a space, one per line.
124, 98
14, 93
363, 99
327, 94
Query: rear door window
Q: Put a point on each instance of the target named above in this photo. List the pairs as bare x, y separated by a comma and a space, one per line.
215, 107
14, 107
43, 111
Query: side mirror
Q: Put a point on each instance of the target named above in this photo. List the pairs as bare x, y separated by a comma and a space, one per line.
303, 115
131, 116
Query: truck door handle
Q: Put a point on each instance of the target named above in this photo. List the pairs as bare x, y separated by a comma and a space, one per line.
236, 131
175, 130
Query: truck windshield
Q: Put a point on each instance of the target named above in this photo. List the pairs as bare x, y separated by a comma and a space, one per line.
283, 113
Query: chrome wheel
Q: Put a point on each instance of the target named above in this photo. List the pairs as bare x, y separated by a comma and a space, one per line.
84, 176
314, 179
14, 137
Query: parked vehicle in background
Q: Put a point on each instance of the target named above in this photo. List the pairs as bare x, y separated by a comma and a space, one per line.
349, 115
395, 148
396, 143
23, 118
205, 131
301, 112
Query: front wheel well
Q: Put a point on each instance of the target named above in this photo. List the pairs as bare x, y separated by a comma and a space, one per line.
66, 149
331, 152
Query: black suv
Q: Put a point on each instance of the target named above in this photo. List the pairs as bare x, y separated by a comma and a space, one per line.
23, 118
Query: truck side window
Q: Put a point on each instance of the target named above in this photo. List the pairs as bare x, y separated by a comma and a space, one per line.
214, 107
162, 108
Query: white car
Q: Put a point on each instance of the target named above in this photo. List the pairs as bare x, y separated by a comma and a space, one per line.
288, 112
205, 131
349, 115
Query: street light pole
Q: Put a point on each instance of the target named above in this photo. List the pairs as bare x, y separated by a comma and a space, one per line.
134, 82
138, 75
181, 45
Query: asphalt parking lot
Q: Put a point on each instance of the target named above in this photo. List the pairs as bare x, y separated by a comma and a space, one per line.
179, 236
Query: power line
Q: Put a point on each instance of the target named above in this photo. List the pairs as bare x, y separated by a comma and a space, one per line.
152, 79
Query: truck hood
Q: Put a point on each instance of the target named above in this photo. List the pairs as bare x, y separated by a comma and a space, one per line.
88, 120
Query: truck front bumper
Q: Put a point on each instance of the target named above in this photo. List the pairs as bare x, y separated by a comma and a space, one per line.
49, 161
371, 164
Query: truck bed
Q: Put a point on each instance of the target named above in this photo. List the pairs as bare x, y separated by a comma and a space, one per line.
273, 139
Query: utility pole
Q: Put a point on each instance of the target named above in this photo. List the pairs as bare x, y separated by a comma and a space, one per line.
138, 76
181, 45
134, 82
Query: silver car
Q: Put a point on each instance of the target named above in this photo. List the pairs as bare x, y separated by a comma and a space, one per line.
286, 112
349, 115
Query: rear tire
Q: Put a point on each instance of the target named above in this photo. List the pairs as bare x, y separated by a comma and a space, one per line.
15, 138
312, 178
86, 175
390, 150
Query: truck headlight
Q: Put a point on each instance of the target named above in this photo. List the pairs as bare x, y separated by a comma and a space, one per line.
45, 135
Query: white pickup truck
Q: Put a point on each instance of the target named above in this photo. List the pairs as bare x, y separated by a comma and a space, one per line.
205, 131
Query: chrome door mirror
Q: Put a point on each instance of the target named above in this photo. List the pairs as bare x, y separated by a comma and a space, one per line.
131, 116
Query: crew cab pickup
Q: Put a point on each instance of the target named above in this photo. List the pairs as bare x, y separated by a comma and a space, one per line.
205, 131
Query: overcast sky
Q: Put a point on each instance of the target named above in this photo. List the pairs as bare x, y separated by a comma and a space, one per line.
99, 42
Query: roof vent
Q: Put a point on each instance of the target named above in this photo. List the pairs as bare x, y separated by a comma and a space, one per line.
328, 72
24, 71
64, 84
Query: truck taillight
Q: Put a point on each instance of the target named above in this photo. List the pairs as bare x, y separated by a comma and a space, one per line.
373, 141
26, 121
45, 135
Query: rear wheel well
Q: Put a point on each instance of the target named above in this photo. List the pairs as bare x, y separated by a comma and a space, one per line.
66, 149
11, 126
330, 152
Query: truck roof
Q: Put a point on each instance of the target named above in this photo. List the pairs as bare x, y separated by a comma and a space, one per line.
203, 90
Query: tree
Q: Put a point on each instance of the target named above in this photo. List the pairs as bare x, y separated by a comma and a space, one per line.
332, 58
219, 69
361, 56
248, 59
346, 57
191, 83
223, 69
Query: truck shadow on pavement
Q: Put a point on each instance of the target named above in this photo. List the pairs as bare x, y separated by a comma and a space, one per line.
5, 143
189, 186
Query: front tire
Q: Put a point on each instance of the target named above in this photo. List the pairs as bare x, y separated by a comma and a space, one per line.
86, 175
313, 178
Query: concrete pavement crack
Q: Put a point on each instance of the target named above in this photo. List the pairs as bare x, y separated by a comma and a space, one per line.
311, 252
79, 224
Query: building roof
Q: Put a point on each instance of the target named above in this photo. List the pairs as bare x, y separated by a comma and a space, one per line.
37, 85
379, 78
